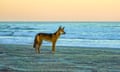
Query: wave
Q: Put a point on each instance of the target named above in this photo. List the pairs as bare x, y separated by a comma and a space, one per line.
20, 33
6, 33
92, 36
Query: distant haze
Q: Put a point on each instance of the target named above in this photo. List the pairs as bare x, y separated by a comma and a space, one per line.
59, 10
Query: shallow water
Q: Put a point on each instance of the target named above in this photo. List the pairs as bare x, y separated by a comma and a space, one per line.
22, 58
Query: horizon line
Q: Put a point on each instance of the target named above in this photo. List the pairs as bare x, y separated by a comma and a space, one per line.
59, 21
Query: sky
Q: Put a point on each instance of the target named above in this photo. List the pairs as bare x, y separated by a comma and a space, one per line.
59, 10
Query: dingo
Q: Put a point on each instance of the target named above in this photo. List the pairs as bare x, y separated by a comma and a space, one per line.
52, 37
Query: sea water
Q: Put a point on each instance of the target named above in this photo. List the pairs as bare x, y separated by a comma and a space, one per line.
82, 34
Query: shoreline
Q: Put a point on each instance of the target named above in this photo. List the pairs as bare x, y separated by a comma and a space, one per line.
63, 46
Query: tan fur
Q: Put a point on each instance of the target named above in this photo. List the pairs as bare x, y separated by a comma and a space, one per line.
53, 37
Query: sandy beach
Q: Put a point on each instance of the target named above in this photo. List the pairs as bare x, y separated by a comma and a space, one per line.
22, 58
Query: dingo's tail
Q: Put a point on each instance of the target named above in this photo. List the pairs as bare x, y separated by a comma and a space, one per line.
35, 42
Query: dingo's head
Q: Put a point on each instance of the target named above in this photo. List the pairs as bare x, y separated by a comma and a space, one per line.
61, 30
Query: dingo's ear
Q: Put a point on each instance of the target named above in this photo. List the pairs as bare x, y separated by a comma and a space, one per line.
63, 27
60, 27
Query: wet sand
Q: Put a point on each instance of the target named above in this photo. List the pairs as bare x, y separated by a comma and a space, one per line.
22, 58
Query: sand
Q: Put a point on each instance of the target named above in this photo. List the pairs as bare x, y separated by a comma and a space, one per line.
22, 58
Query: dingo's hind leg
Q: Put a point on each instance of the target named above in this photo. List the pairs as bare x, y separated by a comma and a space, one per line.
38, 45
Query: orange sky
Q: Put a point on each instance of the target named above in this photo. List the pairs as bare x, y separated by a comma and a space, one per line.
59, 10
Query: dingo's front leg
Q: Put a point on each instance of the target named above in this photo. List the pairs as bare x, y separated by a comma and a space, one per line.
53, 47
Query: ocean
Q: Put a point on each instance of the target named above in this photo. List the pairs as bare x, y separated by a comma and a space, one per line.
82, 34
